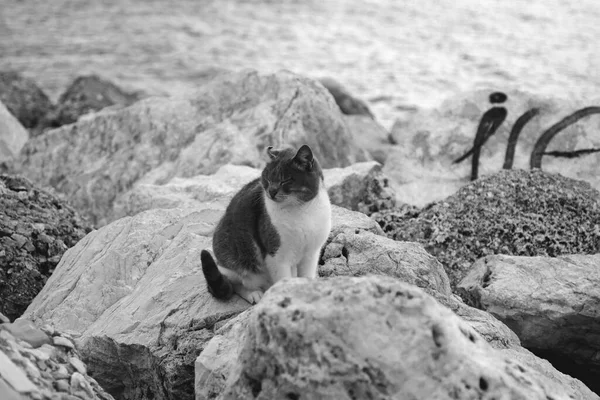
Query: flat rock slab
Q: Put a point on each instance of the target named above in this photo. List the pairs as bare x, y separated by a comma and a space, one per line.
231, 119
353, 338
552, 304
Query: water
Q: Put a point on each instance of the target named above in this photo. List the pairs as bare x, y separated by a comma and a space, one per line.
396, 54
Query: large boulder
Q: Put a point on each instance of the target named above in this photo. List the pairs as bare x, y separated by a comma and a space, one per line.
431, 139
231, 119
360, 253
360, 187
552, 304
13, 137
36, 228
134, 296
38, 364
369, 337
87, 94
23, 98
516, 212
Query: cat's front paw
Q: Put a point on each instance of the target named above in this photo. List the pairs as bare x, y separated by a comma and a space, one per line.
254, 297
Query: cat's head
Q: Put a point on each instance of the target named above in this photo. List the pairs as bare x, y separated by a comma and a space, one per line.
291, 176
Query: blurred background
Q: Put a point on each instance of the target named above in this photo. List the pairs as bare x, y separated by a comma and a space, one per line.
397, 55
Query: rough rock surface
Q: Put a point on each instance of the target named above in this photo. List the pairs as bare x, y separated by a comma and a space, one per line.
516, 212
360, 187
431, 139
369, 337
552, 304
134, 295
35, 230
99, 158
88, 94
495, 332
43, 364
361, 253
23, 98
13, 137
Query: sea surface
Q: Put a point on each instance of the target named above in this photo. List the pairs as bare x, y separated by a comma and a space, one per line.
397, 54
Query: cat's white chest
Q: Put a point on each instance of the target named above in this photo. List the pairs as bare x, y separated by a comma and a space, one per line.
302, 229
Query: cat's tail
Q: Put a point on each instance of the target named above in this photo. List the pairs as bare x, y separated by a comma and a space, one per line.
218, 284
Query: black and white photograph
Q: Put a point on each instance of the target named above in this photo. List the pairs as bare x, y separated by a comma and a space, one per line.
299, 200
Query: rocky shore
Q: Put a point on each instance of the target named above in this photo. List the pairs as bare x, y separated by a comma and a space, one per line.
465, 293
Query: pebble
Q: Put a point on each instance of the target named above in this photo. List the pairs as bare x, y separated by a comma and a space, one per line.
61, 373
78, 365
62, 385
45, 372
79, 386
63, 341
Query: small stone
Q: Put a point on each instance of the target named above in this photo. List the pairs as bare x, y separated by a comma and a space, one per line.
42, 365
78, 365
26, 330
48, 350
80, 387
31, 369
36, 396
62, 385
61, 373
62, 341
20, 239
49, 329
36, 353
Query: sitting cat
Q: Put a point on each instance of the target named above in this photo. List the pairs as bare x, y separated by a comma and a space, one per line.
273, 228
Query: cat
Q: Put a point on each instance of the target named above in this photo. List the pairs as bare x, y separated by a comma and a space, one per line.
273, 228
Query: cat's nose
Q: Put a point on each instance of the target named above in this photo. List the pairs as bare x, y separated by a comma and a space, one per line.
273, 192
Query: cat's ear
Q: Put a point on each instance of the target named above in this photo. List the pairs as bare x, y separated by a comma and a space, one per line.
272, 153
304, 158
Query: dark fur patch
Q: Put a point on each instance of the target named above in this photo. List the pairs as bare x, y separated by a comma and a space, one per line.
218, 285
245, 226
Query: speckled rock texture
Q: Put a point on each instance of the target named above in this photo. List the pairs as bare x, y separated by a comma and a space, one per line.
513, 212
36, 228
87, 94
231, 119
23, 98
360, 187
552, 304
357, 338
43, 364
